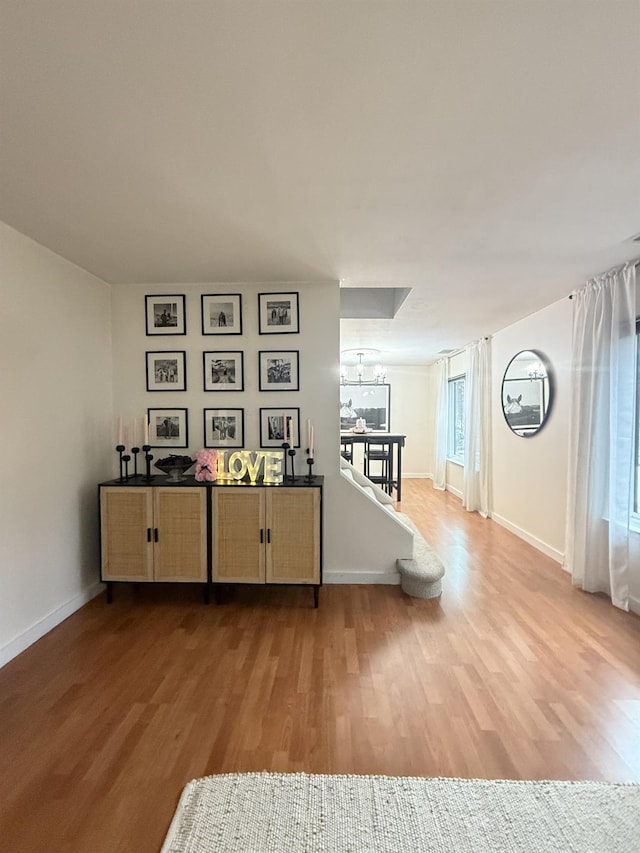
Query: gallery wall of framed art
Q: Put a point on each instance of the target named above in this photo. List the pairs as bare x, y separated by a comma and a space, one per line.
222, 315
240, 348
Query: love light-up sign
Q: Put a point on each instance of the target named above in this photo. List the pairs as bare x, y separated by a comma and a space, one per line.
251, 462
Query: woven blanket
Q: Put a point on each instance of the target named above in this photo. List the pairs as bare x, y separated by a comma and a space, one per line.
283, 813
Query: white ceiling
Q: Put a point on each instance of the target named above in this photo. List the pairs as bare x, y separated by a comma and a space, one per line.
485, 154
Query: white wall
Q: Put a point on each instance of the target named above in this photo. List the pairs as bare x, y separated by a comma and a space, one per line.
368, 540
530, 474
411, 414
55, 387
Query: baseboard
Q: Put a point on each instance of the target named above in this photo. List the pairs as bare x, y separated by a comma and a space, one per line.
14, 647
354, 576
417, 476
556, 555
454, 491
634, 604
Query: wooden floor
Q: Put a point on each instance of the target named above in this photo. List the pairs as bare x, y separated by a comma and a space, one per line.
511, 674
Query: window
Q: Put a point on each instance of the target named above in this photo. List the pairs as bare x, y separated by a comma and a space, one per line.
456, 419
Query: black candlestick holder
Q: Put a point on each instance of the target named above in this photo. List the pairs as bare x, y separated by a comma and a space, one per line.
310, 460
292, 454
120, 449
126, 459
135, 451
148, 458
285, 447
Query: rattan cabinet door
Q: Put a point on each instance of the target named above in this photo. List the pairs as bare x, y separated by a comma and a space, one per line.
293, 542
238, 534
126, 521
180, 546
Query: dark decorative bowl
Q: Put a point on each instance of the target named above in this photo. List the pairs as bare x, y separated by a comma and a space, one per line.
175, 466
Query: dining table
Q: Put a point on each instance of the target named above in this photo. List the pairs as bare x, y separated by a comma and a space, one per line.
397, 442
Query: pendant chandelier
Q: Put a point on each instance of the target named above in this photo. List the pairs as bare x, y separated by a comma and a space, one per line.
537, 371
358, 373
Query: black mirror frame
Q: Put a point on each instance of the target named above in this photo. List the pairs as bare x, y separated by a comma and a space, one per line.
547, 366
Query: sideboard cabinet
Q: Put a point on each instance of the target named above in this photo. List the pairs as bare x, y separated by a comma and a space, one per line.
153, 533
211, 533
266, 535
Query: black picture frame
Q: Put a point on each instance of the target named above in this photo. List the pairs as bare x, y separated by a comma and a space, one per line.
165, 314
523, 403
221, 313
173, 421
279, 370
223, 370
223, 428
278, 313
166, 370
370, 402
271, 426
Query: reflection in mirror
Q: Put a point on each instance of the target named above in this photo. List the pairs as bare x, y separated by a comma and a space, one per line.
364, 408
527, 390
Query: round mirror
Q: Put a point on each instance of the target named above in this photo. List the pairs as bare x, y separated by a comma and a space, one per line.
527, 392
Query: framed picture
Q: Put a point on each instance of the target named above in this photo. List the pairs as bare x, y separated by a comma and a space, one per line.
371, 402
273, 423
523, 403
222, 314
278, 313
165, 315
166, 371
224, 427
223, 371
279, 370
168, 427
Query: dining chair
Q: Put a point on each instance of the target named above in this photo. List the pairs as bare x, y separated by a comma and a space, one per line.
378, 451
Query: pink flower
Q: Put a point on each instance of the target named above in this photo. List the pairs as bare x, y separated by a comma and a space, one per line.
206, 466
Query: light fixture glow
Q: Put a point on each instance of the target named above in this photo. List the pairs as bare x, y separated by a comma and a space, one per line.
537, 371
379, 372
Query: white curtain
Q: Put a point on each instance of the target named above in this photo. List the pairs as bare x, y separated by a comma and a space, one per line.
601, 452
477, 420
441, 431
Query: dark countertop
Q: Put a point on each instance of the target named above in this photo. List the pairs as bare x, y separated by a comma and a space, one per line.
190, 480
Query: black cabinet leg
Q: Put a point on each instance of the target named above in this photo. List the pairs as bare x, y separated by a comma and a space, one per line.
316, 596
205, 592
109, 592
